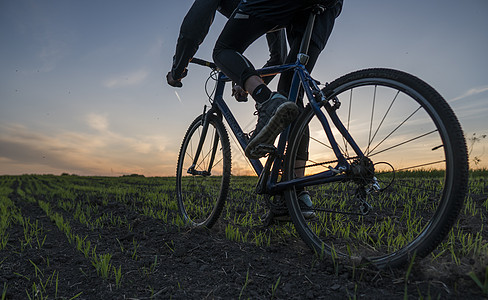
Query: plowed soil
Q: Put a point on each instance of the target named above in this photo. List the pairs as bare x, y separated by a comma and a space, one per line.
160, 260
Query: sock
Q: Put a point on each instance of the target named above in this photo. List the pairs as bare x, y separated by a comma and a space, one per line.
261, 93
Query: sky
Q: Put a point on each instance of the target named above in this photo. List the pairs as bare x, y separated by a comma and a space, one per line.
82, 88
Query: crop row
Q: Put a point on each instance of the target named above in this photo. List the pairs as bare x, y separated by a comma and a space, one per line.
96, 213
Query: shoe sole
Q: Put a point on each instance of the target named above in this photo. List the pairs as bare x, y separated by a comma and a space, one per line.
284, 115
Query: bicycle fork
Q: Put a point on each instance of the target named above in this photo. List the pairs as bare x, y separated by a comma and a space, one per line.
205, 124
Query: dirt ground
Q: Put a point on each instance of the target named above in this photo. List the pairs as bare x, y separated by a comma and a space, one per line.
174, 263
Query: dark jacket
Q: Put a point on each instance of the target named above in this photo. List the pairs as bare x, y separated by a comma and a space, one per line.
280, 12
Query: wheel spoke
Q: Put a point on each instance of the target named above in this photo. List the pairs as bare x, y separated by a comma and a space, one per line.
384, 116
403, 143
396, 128
371, 120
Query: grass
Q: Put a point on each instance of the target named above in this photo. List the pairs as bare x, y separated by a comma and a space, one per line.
118, 276
73, 202
4, 293
246, 282
407, 275
482, 283
102, 264
274, 288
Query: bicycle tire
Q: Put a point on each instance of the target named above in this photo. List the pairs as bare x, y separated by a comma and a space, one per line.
419, 160
201, 198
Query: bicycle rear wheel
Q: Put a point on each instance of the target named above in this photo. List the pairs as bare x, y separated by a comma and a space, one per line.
202, 187
404, 194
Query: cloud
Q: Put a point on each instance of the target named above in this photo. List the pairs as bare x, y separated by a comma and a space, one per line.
26, 150
98, 122
471, 92
133, 78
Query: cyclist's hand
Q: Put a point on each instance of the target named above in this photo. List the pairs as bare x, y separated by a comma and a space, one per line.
173, 82
239, 93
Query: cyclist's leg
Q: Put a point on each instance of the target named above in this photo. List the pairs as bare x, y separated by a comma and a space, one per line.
302, 154
324, 24
322, 30
275, 112
283, 88
239, 32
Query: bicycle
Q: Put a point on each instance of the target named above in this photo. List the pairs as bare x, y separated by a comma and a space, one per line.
387, 180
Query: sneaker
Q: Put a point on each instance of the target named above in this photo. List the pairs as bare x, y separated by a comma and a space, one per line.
306, 205
274, 116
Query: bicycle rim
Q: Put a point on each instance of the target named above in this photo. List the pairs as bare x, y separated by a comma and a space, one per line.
201, 194
405, 194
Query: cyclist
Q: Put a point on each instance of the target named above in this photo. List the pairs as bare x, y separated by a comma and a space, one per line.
249, 21
194, 29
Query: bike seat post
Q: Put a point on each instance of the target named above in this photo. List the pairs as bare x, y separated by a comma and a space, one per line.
303, 53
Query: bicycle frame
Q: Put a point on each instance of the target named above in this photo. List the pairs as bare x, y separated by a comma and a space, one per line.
274, 163
268, 182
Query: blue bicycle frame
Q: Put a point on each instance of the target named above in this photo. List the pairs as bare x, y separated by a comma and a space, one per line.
316, 101
268, 175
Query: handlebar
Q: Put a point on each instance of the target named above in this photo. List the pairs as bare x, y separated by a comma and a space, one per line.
204, 63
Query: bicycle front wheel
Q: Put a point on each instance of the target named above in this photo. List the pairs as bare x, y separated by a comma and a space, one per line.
203, 177
403, 193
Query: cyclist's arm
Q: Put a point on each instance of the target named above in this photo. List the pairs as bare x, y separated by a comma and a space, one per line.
193, 31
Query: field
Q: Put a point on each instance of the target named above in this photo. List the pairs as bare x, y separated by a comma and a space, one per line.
72, 237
